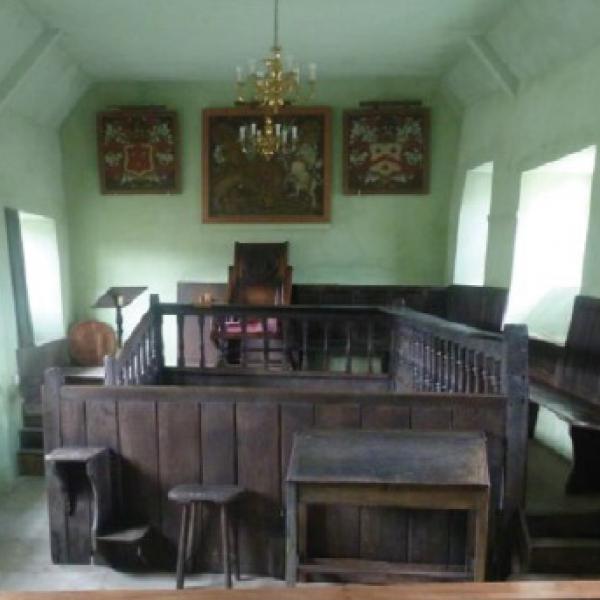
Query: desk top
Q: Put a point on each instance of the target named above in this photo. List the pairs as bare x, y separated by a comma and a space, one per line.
512, 590
428, 458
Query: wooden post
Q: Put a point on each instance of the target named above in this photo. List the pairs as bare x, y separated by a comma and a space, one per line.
291, 534
158, 338
110, 370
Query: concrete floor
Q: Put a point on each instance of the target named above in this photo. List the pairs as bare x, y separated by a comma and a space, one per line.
25, 553
25, 556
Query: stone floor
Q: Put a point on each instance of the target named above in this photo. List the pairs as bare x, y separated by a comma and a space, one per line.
24, 547
25, 556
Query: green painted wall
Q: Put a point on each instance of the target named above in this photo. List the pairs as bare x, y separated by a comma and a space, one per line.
160, 240
30, 180
549, 118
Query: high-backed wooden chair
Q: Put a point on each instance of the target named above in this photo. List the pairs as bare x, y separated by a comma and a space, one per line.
260, 275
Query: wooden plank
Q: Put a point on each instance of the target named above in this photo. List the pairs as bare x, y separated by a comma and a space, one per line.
102, 431
384, 531
428, 540
219, 466
506, 590
59, 543
72, 418
179, 457
294, 418
335, 531
139, 451
261, 531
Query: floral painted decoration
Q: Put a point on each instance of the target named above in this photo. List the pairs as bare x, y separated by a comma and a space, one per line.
386, 151
138, 151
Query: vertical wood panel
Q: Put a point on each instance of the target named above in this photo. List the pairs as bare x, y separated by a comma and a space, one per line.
179, 456
139, 452
294, 419
102, 431
472, 418
384, 531
335, 531
79, 522
261, 536
428, 529
217, 422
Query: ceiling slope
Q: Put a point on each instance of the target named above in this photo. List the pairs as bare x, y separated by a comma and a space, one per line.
38, 78
532, 38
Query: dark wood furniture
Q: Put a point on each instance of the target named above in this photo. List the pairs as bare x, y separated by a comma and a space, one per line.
439, 375
566, 381
169, 435
260, 275
82, 478
190, 497
407, 469
506, 590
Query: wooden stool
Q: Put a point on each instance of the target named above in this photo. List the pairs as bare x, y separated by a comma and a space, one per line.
188, 495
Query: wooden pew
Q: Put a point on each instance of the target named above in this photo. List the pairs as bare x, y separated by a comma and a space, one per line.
566, 381
166, 435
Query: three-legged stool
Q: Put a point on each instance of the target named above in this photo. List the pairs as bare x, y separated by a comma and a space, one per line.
189, 496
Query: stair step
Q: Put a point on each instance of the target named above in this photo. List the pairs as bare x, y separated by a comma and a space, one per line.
129, 535
30, 461
32, 437
573, 555
582, 524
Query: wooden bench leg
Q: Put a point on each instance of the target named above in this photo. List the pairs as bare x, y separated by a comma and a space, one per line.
585, 472
225, 546
291, 535
183, 533
481, 535
235, 548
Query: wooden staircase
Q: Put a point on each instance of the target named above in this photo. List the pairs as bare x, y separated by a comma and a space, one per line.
557, 545
30, 457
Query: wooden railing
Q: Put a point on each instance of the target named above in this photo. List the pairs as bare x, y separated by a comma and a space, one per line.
140, 360
304, 338
419, 352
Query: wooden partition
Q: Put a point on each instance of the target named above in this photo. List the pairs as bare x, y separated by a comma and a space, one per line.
166, 435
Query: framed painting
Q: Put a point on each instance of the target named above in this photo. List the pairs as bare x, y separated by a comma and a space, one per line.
138, 151
386, 150
291, 187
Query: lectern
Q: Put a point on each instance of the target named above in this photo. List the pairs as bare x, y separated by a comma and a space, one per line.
118, 298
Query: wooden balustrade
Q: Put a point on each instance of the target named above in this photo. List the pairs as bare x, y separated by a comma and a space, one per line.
139, 361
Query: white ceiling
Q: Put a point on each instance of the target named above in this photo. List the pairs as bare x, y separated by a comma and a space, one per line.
206, 39
51, 51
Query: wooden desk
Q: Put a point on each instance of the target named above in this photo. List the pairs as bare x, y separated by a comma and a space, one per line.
407, 469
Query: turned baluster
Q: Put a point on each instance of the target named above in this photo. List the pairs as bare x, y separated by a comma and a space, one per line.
304, 364
265, 330
326, 328
348, 350
243, 344
180, 350
285, 324
201, 345
460, 370
370, 345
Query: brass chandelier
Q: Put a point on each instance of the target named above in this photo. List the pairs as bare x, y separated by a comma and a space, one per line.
271, 89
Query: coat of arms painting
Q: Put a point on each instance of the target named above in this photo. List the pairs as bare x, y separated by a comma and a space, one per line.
386, 151
138, 151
